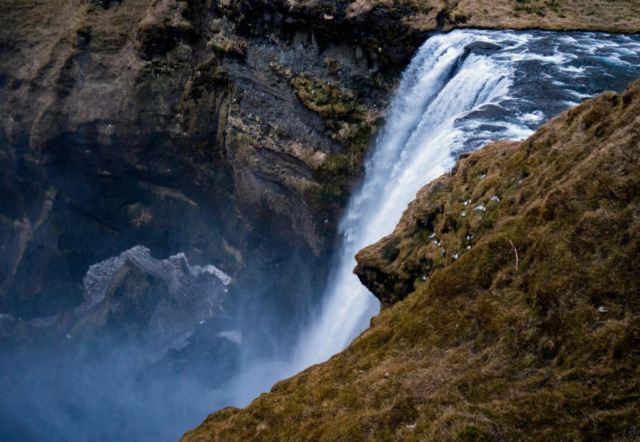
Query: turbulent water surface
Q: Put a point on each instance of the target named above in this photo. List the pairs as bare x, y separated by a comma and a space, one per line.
461, 91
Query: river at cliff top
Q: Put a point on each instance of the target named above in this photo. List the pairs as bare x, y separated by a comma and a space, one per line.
461, 91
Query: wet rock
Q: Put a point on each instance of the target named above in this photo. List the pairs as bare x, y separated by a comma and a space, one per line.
135, 300
376, 272
84, 35
160, 301
482, 47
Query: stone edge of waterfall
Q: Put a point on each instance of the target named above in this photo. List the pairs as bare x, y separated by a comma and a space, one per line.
480, 350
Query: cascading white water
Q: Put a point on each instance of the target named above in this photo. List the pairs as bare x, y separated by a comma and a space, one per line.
414, 147
438, 110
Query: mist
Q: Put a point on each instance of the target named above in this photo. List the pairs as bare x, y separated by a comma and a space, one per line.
175, 323
141, 364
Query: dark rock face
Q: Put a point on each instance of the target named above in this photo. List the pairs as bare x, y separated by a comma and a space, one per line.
187, 127
178, 127
483, 47
379, 30
374, 273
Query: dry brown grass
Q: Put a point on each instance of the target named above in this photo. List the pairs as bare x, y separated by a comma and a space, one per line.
611, 16
480, 351
41, 49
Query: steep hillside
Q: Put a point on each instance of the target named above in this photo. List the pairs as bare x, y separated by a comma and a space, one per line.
513, 306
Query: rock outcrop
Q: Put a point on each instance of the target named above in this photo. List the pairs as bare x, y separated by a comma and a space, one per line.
513, 309
136, 301
171, 125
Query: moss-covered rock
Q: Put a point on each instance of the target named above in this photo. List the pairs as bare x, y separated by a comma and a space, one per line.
328, 100
343, 111
525, 328
228, 44
164, 26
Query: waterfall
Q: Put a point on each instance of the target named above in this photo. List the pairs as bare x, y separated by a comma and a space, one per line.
460, 91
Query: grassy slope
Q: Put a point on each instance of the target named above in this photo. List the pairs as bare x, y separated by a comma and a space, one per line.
601, 15
479, 350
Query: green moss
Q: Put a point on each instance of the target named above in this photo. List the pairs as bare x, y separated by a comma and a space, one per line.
335, 163
479, 349
475, 434
333, 65
343, 112
324, 196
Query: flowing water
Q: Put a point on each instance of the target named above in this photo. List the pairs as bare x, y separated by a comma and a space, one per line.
461, 91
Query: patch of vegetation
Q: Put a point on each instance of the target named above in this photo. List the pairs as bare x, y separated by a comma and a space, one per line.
530, 334
334, 163
324, 196
202, 96
342, 111
327, 99
333, 65
528, 7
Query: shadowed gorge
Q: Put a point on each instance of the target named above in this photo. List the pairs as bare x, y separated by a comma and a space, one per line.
185, 188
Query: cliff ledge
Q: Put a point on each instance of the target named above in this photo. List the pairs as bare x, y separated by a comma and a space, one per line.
513, 309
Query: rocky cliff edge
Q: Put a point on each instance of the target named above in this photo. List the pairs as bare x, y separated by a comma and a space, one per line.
512, 303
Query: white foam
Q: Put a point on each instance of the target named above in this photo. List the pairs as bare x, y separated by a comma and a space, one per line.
416, 146
232, 335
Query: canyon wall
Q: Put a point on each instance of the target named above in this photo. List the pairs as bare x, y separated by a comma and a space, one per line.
230, 131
